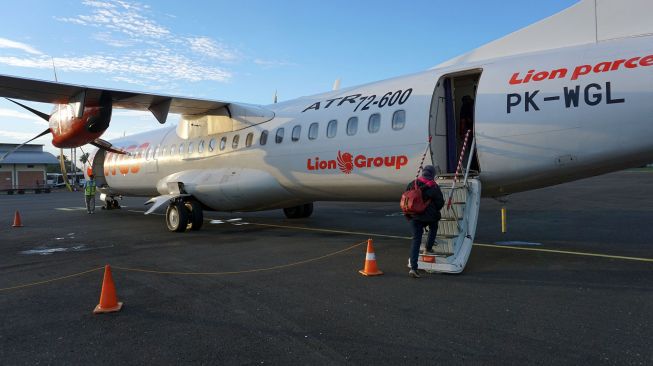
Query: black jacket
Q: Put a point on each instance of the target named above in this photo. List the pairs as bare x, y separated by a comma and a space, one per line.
433, 193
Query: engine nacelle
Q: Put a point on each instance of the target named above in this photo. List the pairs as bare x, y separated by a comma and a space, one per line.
70, 130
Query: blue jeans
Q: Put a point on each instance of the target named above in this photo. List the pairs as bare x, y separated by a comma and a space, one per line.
418, 230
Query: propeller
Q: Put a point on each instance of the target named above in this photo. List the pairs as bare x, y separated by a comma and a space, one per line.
3, 157
96, 124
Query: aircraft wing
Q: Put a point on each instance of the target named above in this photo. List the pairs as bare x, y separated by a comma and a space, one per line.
62, 93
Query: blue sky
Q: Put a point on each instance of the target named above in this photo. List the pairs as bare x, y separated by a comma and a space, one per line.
237, 50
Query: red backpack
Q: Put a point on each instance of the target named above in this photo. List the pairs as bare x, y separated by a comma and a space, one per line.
412, 202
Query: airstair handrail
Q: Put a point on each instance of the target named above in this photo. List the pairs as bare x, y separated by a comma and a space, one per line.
469, 160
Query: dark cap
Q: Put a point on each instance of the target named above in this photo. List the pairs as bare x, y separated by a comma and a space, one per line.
428, 172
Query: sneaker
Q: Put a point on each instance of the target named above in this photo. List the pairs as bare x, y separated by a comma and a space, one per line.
429, 251
413, 273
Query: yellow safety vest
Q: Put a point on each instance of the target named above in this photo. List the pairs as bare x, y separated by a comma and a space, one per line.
89, 187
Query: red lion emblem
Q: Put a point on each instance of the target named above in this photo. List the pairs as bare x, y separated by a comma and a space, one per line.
345, 162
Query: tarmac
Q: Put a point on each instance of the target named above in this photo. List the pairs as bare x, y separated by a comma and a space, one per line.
571, 282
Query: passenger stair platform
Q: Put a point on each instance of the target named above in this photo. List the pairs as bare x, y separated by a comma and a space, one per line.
456, 228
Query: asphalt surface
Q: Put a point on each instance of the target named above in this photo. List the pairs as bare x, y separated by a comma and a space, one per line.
259, 290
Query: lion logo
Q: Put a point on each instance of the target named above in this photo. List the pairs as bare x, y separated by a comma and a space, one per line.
345, 162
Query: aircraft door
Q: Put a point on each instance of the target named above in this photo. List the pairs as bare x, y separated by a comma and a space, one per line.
452, 115
438, 127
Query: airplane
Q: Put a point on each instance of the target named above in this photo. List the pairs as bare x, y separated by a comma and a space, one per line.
565, 98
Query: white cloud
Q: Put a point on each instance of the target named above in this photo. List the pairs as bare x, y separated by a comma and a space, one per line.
150, 65
208, 47
119, 16
111, 41
7, 43
10, 113
20, 137
272, 63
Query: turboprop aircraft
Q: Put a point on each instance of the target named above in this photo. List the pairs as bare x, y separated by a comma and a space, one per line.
563, 99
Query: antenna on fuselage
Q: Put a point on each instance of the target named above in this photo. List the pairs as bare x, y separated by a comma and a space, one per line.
54, 69
275, 96
336, 84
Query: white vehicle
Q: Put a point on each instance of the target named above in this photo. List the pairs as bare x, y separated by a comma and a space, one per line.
55, 180
563, 99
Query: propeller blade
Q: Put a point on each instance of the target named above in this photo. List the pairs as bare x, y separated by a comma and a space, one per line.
23, 144
106, 145
62, 165
38, 113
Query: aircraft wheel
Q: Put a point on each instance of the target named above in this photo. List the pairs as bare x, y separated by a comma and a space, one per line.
294, 212
298, 212
177, 217
195, 215
307, 210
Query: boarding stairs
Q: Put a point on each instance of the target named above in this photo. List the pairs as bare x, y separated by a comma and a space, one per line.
457, 226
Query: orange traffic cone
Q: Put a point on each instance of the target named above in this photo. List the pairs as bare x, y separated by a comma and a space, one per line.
370, 262
108, 300
17, 221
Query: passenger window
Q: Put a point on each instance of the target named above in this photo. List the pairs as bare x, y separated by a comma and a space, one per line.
249, 139
398, 119
223, 142
234, 143
332, 128
212, 144
147, 153
374, 124
279, 137
264, 138
156, 152
296, 132
312, 131
163, 151
173, 150
190, 148
181, 149
352, 126
200, 147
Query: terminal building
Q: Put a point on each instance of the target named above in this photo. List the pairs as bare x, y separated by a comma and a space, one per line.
25, 168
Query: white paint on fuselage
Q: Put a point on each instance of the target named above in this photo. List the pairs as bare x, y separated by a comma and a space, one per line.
517, 151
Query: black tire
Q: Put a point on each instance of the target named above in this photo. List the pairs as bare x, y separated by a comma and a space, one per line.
294, 212
115, 205
299, 212
195, 215
177, 217
307, 210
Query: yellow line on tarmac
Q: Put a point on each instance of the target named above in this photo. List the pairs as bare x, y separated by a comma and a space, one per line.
566, 252
586, 254
332, 231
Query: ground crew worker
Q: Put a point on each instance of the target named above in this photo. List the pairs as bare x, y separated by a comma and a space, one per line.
429, 218
89, 194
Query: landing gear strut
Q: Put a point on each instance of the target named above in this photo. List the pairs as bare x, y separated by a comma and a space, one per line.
299, 212
183, 215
